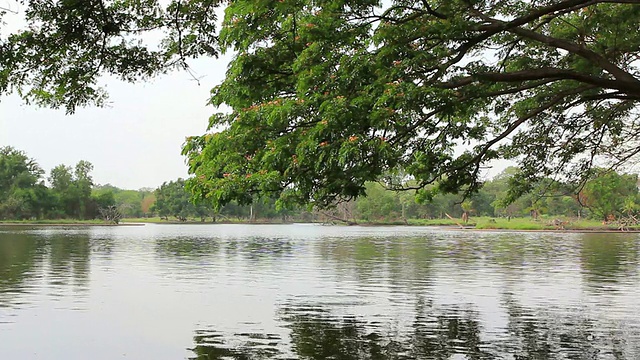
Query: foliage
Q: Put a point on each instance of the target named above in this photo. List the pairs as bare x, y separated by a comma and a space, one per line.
380, 204
610, 194
326, 96
147, 202
72, 195
129, 202
105, 200
173, 200
24, 195
66, 46
72, 189
21, 190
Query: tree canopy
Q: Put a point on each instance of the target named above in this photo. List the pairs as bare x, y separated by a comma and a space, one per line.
325, 96
24, 194
57, 58
608, 194
19, 184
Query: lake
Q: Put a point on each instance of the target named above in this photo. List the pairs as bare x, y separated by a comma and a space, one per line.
316, 292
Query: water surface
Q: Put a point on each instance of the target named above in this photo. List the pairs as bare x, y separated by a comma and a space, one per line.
316, 292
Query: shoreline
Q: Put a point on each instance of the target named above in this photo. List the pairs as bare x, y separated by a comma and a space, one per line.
448, 227
75, 224
500, 227
555, 231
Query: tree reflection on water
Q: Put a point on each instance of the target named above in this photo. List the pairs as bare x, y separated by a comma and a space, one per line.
317, 334
607, 258
211, 345
62, 260
436, 336
435, 333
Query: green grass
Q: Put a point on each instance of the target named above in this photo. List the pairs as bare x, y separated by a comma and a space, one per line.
589, 223
486, 223
173, 220
544, 223
54, 222
441, 222
513, 224
483, 222
477, 222
143, 220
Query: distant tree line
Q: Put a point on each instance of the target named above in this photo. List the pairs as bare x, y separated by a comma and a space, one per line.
67, 192
130, 203
606, 195
173, 201
27, 193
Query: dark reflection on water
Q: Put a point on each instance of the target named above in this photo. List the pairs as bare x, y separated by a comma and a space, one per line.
260, 248
316, 334
211, 345
406, 262
18, 259
253, 247
608, 258
32, 261
69, 257
433, 333
187, 247
311, 292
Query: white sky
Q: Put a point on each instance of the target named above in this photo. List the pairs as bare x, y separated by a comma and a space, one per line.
135, 142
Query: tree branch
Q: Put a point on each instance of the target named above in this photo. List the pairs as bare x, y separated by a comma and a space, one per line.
628, 80
544, 73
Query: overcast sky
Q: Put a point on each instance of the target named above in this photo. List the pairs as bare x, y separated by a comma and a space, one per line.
134, 142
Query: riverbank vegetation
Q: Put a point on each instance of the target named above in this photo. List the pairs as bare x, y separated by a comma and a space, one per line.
68, 195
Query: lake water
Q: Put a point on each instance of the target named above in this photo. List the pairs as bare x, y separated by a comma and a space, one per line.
316, 292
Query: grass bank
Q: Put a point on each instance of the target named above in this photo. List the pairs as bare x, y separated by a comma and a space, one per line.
58, 222
545, 223
480, 223
158, 220
516, 224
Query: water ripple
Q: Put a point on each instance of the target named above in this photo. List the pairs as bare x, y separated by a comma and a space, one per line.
314, 292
